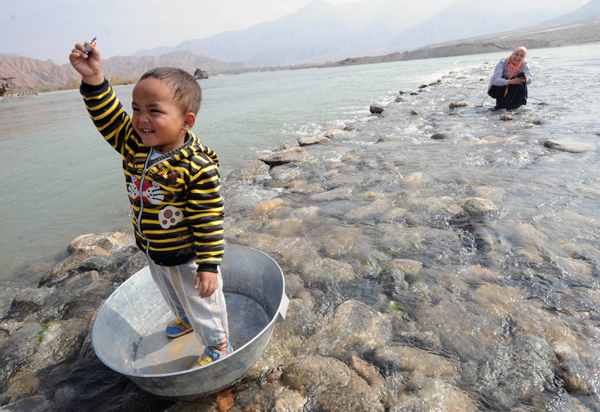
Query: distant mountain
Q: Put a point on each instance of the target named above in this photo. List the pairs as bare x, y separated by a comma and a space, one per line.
33, 74
320, 32
589, 11
468, 19
133, 67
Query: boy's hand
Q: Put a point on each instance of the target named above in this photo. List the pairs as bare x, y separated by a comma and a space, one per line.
209, 282
88, 66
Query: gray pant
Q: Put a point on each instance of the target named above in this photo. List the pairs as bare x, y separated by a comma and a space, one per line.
208, 315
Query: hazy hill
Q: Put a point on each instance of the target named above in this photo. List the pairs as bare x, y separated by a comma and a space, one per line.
590, 10
36, 74
319, 32
33, 74
468, 19
133, 67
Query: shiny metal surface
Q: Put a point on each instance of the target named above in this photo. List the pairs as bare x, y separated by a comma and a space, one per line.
128, 334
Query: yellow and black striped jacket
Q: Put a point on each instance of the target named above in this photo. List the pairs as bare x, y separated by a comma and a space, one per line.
177, 209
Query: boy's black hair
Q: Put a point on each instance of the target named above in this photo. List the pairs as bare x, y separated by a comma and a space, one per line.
186, 90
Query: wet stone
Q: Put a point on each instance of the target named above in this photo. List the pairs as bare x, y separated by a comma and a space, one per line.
330, 385
376, 109
293, 154
457, 105
30, 404
15, 351
307, 141
354, 329
99, 263
568, 146
255, 172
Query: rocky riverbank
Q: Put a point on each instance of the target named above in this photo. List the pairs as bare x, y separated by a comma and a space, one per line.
423, 268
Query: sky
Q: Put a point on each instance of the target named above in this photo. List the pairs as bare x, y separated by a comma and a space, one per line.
43, 29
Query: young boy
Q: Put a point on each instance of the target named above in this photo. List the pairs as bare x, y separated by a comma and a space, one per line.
173, 184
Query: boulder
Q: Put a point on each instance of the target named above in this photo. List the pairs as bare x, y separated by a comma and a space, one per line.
307, 141
355, 329
456, 105
376, 109
17, 349
330, 384
568, 146
293, 154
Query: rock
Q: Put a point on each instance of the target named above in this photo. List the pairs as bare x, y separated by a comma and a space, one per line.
375, 208
576, 376
59, 342
506, 117
255, 172
17, 349
410, 267
30, 404
106, 241
68, 266
29, 300
414, 113
267, 206
325, 272
476, 206
434, 395
307, 141
376, 109
293, 154
456, 105
442, 136
333, 133
286, 400
423, 86
99, 263
330, 384
568, 146
335, 194
133, 265
399, 99
404, 91
355, 329
402, 358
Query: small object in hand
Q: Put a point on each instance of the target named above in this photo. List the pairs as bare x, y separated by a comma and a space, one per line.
90, 46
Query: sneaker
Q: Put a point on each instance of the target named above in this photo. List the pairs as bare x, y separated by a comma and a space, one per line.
212, 355
179, 327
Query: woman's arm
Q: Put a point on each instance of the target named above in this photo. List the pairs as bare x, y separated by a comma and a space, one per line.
527, 73
497, 79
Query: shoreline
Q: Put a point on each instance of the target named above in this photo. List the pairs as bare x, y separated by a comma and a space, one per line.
401, 294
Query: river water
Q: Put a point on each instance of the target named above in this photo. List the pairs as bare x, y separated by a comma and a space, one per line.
384, 190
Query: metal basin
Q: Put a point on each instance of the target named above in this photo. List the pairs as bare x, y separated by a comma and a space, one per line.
129, 331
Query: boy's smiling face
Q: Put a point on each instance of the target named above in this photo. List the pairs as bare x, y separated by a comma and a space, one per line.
157, 118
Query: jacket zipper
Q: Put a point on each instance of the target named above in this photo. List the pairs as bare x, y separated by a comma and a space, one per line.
139, 220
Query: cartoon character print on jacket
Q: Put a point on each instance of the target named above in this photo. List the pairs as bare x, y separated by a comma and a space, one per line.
151, 193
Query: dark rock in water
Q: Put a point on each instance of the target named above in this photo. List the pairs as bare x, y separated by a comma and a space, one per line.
506, 117
376, 109
536, 122
423, 86
98, 263
293, 154
132, 266
31, 404
414, 112
29, 300
405, 91
442, 136
17, 349
414, 94
399, 99
456, 105
568, 146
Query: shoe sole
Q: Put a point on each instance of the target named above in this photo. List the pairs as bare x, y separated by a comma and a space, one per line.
176, 335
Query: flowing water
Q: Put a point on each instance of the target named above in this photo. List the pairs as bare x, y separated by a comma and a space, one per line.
536, 254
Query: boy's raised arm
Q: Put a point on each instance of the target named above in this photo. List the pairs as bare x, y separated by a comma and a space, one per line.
89, 66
